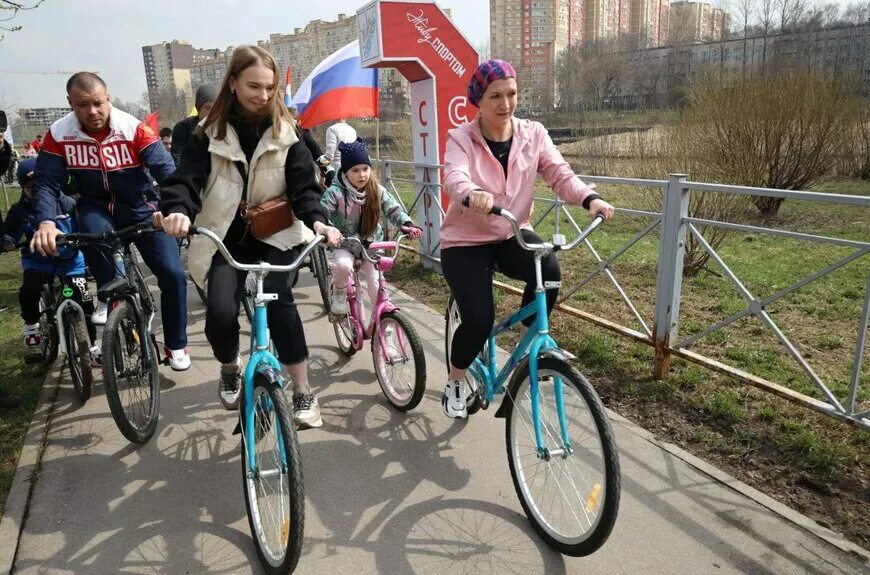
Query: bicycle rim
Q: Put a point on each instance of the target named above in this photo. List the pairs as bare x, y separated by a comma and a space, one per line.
571, 499
400, 365
273, 494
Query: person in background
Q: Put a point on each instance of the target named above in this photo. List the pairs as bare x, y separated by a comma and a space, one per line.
5, 154
37, 143
335, 135
327, 172
183, 130
29, 151
166, 138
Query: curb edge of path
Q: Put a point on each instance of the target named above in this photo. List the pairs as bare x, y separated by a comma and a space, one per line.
769, 503
18, 499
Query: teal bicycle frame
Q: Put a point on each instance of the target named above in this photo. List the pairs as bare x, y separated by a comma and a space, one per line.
262, 361
536, 343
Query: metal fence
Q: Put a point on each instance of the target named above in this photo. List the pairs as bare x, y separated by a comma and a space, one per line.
674, 225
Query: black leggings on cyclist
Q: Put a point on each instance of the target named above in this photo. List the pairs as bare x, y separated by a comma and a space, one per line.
31, 290
226, 286
469, 270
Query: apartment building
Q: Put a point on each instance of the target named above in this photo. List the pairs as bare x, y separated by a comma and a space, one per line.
168, 66
692, 22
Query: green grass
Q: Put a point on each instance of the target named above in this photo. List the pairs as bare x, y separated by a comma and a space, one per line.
16, 376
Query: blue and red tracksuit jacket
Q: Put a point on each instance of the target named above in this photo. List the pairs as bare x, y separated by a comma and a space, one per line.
117, 173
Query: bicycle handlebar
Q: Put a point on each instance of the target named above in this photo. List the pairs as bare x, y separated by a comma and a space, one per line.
374, 259
499, 211
262, 266
109, 236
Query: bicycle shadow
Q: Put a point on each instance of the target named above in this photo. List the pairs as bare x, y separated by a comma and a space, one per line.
103, 505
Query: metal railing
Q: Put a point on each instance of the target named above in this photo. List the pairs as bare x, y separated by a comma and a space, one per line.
674, 224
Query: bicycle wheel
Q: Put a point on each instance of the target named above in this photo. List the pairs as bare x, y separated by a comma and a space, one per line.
78, 355
131, 380
49, 340
274, 494
320, 267
476, 398
401, 367
571, 499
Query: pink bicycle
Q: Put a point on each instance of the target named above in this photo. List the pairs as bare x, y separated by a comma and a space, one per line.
397, 353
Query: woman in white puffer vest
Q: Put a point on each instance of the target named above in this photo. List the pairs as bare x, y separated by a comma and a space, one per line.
248, 133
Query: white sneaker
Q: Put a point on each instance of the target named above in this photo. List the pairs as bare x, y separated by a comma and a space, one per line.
179, 359
230, 384
338, 305
306, 411
455, 400
100, 313
96, 355
391, 345
32, 335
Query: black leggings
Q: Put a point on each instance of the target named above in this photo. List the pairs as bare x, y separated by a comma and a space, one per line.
225, 289
31, 290
468, 271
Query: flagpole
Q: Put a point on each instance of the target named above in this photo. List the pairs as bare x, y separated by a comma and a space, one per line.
378, 140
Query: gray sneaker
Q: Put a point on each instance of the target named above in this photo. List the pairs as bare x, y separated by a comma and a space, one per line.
230, 385
306, 411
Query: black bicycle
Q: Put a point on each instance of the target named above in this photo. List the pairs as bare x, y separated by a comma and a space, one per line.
130, 357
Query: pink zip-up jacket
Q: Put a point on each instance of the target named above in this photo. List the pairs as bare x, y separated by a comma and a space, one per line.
470, 166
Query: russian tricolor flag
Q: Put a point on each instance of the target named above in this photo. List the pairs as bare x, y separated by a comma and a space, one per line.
338, 87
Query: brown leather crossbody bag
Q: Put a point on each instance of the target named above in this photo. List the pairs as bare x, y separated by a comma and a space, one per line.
267, 218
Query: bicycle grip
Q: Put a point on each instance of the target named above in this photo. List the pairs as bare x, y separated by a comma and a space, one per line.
496, 210
192, 230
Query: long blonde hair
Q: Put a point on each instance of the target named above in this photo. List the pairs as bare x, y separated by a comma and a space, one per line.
371, 212
243, 58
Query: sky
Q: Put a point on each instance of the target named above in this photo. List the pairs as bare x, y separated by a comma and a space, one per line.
108, 35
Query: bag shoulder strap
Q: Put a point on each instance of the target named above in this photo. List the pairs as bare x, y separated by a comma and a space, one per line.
241, 167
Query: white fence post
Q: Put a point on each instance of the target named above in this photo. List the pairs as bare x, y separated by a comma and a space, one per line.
669, 279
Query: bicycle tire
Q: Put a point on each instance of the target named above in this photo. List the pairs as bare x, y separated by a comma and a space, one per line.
381, 369
50, 342
78, 356
125, 318
320, 267
476, 401
526, 466
290, 550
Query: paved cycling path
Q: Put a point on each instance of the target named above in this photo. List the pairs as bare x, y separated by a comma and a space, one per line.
386, 493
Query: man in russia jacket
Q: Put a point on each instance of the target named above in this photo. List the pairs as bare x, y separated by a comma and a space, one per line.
113, 160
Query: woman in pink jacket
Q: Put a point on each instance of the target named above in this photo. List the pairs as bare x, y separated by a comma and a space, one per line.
494, 161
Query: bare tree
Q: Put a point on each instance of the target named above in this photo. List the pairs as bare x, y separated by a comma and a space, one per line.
745, 15
767, 12
681, 29
9, 10
171, 104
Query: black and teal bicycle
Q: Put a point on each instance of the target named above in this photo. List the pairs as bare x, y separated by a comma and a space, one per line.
560, 447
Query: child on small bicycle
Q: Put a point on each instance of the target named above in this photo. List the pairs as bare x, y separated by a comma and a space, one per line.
355, 203
69, 265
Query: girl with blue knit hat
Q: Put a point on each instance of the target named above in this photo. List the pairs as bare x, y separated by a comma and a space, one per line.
355, 203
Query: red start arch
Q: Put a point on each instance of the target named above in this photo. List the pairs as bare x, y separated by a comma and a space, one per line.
418, 39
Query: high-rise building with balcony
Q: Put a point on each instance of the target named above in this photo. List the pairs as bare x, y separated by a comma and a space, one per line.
531, 34
168, 65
